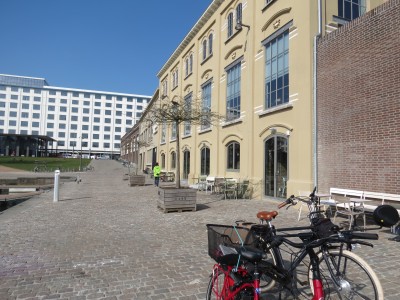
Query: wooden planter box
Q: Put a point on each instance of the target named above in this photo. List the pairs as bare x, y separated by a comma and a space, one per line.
137, 180
178, 200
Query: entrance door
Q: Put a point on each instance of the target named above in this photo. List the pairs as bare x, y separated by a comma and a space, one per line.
186, 164
276, 166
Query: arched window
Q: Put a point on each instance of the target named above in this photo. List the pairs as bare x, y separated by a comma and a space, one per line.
204, 49
239, 13
190, 63
233, 156
173, 160
163, 161
205, 161
186, 164
230, 25
210, 44
187, 67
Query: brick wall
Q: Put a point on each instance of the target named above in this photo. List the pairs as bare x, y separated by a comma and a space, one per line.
358, 108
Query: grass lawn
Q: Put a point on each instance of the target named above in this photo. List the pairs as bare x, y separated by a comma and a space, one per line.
44, 164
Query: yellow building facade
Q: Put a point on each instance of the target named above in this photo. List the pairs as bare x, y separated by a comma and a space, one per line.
253, 62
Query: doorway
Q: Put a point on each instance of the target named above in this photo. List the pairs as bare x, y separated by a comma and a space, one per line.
276, 166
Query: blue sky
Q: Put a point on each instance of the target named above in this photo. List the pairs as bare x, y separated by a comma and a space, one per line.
107, 45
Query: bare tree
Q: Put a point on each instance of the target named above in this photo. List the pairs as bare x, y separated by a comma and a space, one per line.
138, 144
190, 112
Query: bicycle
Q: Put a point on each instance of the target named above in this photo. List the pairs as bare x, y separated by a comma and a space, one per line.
236, 274
343, 273
243, 268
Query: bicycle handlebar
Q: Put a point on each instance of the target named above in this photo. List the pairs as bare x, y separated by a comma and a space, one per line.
342, 237
291, 201
286, 202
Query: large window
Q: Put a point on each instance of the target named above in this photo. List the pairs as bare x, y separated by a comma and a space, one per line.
163, 132
239, 13
173, 160
230, 25
187, 65
188, 111
173, 132
162, 160
233, 92
277, 69
351, 9
210, 44
175, 78
233, 156
205, 161
206, 105
204, 49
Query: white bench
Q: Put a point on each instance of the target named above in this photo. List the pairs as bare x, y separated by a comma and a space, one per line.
345, 193
380, 198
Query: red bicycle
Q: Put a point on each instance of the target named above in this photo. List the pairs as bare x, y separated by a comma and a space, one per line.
236, 274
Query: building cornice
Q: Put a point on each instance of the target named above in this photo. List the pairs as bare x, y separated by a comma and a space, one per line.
192, 33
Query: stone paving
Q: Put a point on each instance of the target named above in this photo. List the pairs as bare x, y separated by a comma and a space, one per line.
107, 240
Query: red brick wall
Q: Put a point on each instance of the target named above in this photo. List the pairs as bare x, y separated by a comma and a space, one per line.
358, 103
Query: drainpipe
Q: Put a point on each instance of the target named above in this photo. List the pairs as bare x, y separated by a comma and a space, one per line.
315, 150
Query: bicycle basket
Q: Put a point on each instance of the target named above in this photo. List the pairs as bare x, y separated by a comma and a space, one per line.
222, 239
323, 227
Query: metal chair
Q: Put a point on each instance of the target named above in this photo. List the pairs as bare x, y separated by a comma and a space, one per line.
302, 204
202, 184
351, 210
230, 188
210, 181
219, 185
244, 190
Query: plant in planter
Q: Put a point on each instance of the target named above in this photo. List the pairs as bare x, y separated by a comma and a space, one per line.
175, 113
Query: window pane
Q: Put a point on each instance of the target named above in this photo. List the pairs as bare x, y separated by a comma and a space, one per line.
233, 92
277, 71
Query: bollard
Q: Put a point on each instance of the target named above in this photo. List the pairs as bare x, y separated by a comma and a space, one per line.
56, 185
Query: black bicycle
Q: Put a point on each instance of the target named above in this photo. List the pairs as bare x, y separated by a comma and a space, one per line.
240, 267
344, 274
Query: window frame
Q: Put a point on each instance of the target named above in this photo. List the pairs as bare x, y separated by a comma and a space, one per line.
342, 9
206, 97
205, 160
229, 25
187, 126
233, 159
280, 72
233, 90
173, 160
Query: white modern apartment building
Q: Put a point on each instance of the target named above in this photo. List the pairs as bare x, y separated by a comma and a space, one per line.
68, 120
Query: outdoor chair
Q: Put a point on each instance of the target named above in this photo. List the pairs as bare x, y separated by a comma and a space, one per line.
210, 180
302, 204
230, 188
202, 183
351, 209
219, 185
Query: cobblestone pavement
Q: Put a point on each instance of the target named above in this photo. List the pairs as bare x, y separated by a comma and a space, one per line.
106, 240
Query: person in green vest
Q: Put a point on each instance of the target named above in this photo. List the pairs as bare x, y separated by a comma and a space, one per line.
156, 174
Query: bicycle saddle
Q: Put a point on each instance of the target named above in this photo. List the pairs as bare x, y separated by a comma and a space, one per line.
267, 215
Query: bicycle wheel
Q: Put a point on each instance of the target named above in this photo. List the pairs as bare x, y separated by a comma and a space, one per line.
266, 281
215, 290
352, 279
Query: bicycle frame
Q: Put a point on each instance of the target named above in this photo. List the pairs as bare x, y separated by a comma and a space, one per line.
286, 274
229, 291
